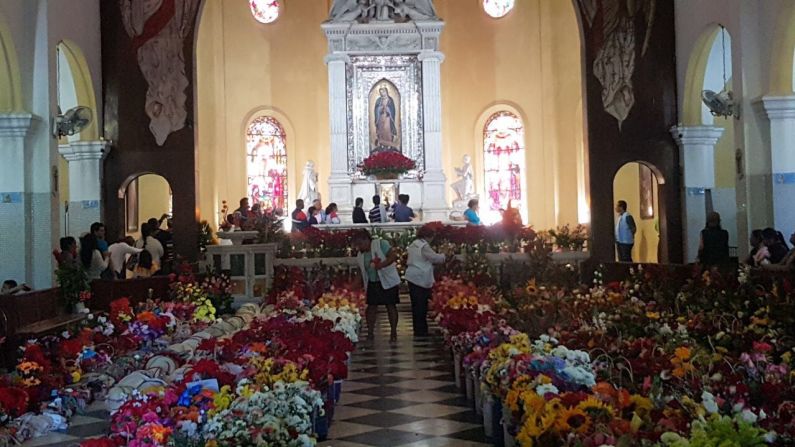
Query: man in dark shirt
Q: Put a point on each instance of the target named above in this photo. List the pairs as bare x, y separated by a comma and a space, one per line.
358, 213
774, 246
299, 220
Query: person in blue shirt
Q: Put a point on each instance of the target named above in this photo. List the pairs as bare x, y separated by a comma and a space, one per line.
471, 214
402, 211
625, 232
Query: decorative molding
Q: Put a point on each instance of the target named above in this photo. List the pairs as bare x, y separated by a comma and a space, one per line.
688, 136
16, 124
779, 107
84, 150
397, 38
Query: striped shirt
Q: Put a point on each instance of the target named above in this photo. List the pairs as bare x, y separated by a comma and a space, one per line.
378, 214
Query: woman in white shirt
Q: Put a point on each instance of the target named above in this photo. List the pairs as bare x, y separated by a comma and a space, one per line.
150, 244
91, 258
419, 275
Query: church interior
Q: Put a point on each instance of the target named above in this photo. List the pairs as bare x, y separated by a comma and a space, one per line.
237, 169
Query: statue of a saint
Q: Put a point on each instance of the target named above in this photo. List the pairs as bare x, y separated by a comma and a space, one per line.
464, 187
308, 192
385, 116
416, 9
349, 10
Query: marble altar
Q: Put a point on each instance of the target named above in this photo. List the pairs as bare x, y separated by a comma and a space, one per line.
384, 63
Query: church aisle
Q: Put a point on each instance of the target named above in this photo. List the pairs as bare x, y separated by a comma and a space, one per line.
403, 394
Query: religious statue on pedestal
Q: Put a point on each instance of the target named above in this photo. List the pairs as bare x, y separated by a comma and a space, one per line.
308, 192
464, 187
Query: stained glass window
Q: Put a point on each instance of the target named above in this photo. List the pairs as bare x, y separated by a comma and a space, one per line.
498, 8
504, 162
264, 11
266, 163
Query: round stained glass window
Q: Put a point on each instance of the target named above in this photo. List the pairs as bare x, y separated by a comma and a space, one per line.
498, 8
265, 11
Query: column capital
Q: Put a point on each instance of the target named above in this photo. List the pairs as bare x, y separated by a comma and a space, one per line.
779, 107
431, 55
85, 150
696, 135
15, 124
337, 57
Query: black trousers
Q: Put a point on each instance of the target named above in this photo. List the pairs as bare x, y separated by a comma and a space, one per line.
624, 252
419, 308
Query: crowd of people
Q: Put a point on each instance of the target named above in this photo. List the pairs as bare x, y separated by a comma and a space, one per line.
769, 248
152, 254
400, 211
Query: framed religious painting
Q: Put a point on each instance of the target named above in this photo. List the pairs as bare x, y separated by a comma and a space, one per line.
646, 177
384, 108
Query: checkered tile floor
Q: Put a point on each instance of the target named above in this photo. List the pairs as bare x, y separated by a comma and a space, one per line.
397, 394
403, 394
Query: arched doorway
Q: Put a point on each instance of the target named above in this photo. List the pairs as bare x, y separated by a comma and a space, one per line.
638, 185
146, 196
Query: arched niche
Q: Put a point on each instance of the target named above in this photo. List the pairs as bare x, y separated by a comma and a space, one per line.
76, 87
638, 184
144, 196
10, 84
704, 71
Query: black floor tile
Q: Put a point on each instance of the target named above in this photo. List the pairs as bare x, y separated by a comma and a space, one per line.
386, 438
385, 404
465, 416
385, 419
473, 434
380, 391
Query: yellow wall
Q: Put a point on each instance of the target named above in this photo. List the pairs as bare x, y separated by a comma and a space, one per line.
530, 59
725, 164
154, 198
10, 86
626, 186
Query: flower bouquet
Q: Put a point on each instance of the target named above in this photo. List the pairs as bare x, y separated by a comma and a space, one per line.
386, 165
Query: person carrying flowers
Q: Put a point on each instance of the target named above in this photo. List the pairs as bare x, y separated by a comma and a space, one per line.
381, 279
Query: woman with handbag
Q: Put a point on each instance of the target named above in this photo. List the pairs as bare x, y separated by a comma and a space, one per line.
381, 280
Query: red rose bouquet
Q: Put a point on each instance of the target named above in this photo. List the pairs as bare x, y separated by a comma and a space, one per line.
386, 164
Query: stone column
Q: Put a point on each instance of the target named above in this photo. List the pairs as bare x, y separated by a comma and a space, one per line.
340, 181
85, 182
435, 206
15, 227
781, 113
697, 149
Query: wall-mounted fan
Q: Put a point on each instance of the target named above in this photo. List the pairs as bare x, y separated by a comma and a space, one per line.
71, 122
719, 104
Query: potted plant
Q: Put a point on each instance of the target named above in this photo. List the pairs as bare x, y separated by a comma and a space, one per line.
72, 282
386, 165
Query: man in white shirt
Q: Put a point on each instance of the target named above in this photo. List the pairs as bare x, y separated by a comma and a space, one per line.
119, 253
419, 275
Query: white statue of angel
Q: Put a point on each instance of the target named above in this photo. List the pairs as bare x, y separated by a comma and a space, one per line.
308, 192
464, 187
